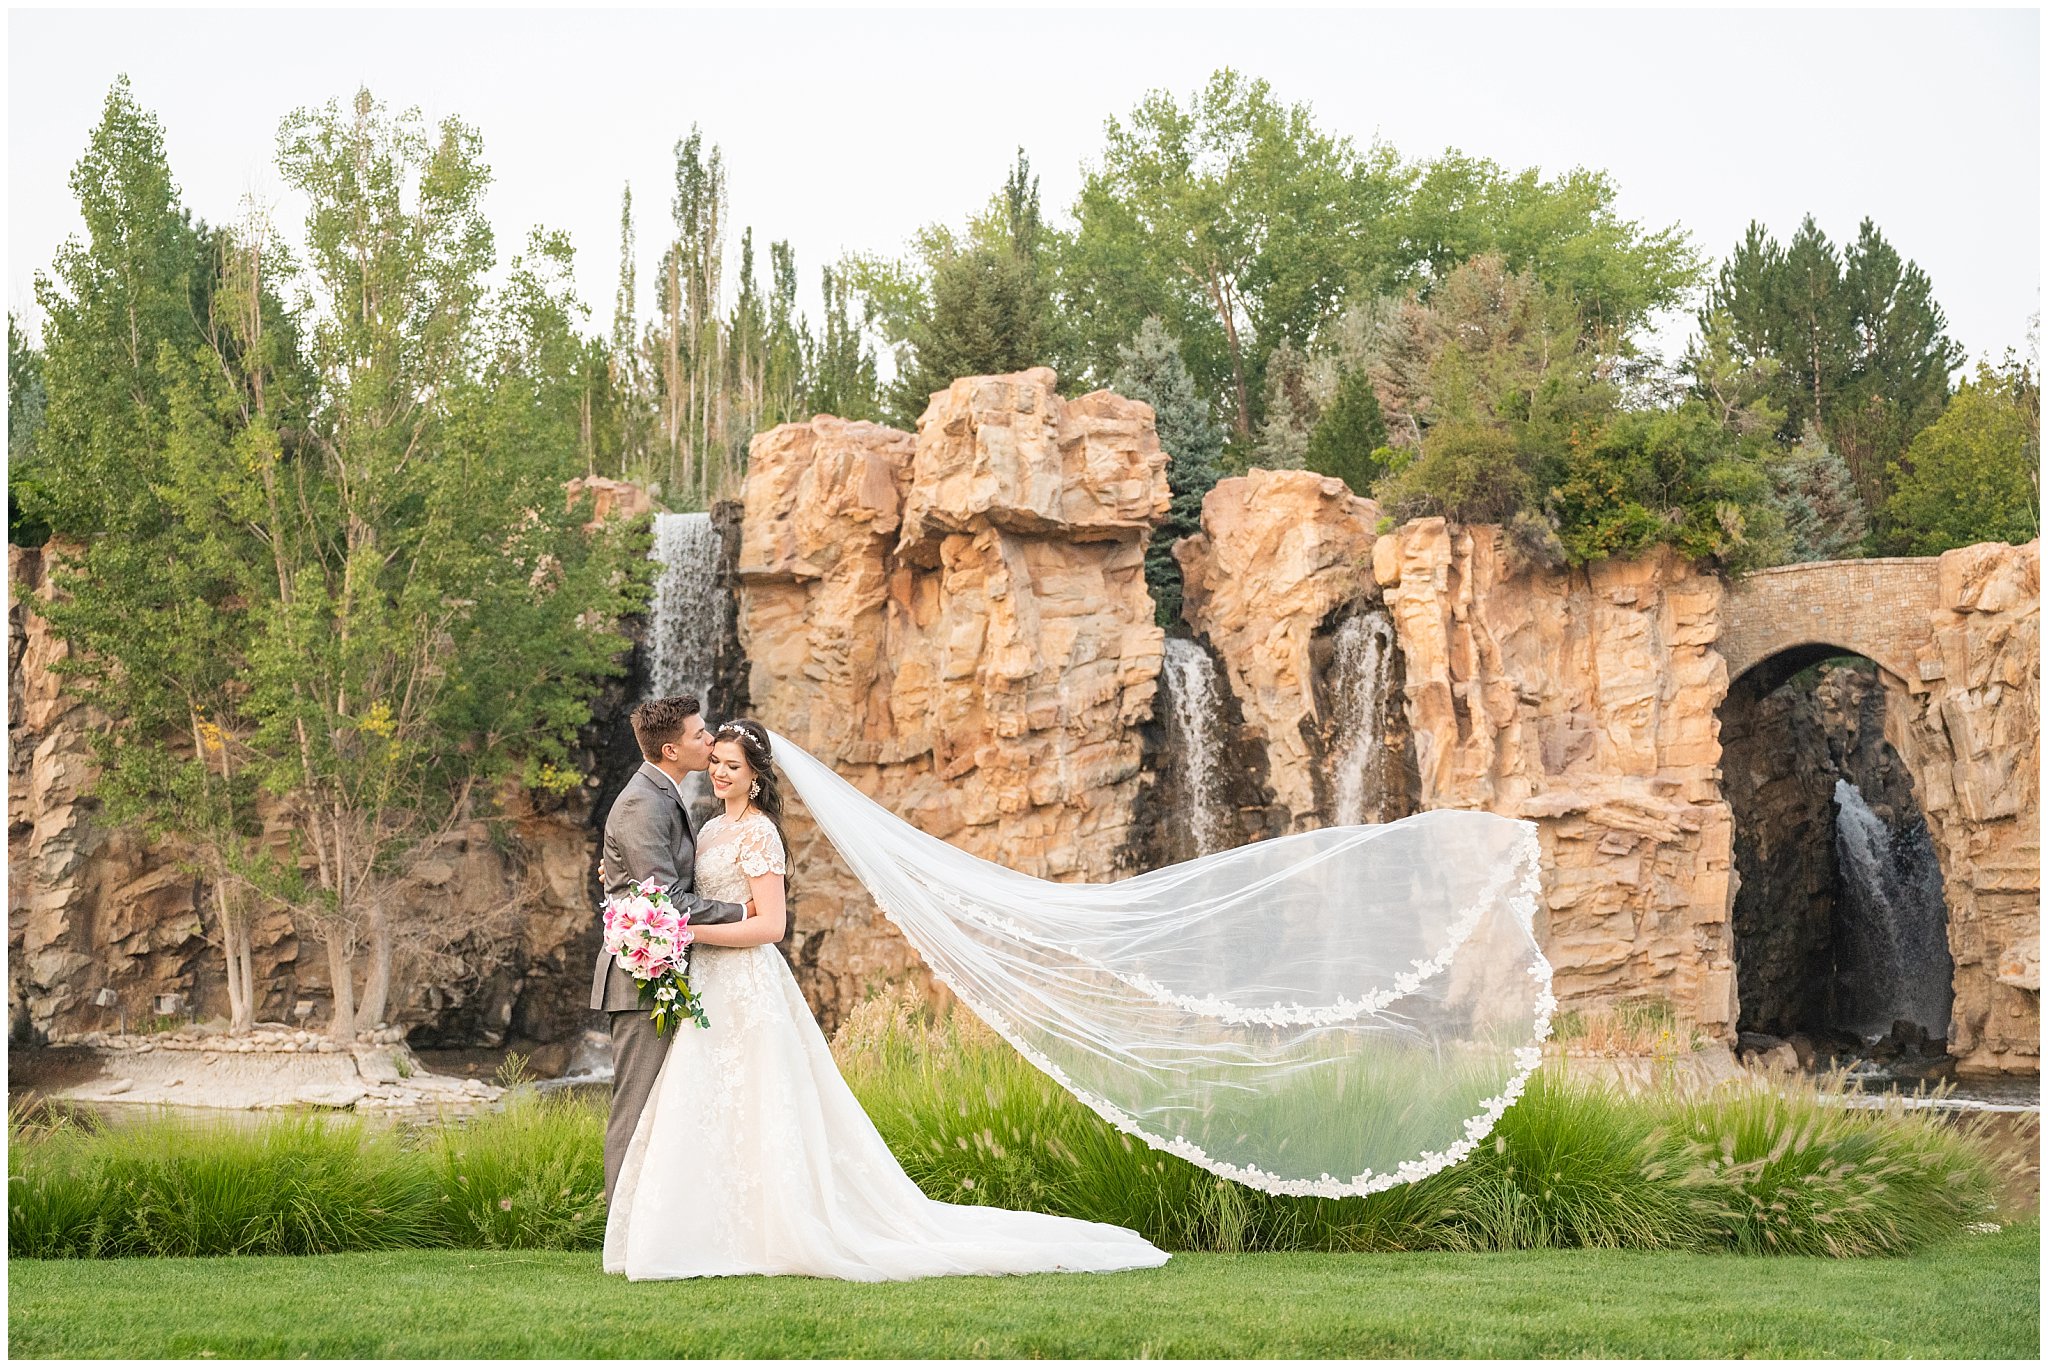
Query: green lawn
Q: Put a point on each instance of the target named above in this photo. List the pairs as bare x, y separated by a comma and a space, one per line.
1975, 1298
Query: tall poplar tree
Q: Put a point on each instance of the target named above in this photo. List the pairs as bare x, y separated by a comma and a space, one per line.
25, 403
122, 317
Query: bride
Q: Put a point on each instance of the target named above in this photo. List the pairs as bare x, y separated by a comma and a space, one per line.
752, 1155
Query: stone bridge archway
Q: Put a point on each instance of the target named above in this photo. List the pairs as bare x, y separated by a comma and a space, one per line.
1781, 620
1956, 641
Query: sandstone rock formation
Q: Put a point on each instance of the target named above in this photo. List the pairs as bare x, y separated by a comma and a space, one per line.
610, 498
94, 908
1585, 700
1971, 739
957, 622
87, 906
1280, 553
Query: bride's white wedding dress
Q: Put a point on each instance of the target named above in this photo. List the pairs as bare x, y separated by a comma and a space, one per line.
753, 1156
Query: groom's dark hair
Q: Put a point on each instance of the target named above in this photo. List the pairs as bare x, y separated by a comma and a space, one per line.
659, 721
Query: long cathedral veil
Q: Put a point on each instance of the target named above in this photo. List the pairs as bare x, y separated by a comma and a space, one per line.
1330, 1013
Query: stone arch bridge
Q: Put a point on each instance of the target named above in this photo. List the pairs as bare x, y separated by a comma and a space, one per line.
1962, 715
1778, 621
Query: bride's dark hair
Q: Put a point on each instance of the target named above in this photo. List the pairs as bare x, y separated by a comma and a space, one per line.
752, 739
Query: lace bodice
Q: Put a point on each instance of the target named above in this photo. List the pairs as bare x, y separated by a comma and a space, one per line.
729, 854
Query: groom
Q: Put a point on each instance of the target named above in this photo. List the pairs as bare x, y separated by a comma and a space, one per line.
649, 835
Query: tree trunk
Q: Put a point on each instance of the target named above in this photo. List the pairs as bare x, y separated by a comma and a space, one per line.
377, 990
1220, 298
234, 947
244, 956
341, 969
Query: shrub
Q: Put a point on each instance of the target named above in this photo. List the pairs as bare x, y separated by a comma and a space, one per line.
1573, 1165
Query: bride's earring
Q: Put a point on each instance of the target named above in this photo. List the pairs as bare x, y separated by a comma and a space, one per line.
754, 789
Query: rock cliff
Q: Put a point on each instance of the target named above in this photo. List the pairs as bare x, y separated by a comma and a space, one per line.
1970, 736
958, 622
1585, 700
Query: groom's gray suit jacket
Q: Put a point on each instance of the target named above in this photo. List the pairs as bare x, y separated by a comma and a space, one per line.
649, 833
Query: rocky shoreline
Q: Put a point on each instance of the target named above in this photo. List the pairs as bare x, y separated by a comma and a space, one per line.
270, 1068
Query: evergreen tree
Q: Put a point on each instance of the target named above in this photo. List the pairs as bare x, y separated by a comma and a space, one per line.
1150, 369
1349, 435
1813, 327
1290, 413
1900, 360
1853, 342
1816, 496
1745, 295
975, 305
982, 322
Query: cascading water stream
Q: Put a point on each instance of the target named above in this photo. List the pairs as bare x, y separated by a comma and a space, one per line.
1892, 958
1360, 675
690, 608
1195, 731
690, 614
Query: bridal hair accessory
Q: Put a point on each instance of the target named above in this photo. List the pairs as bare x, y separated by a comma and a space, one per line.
1331, 1013
650, 939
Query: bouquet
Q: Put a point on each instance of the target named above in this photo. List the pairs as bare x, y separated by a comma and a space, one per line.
650, 940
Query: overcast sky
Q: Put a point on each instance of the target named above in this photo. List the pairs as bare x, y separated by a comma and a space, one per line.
846, 130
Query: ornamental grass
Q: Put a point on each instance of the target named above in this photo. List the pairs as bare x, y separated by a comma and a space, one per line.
294, 1184
1760, 1168
1765, 1167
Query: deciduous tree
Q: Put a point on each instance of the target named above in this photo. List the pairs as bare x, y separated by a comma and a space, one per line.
1974, 474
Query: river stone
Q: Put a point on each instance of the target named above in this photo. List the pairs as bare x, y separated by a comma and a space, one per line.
330, 1095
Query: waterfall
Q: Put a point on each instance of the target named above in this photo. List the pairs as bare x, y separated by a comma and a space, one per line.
690, 614
1891, 943
1360, 673
691, 610
1194, 723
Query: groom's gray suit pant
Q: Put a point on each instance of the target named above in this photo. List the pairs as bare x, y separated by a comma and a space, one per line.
637, 1052
648, 834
